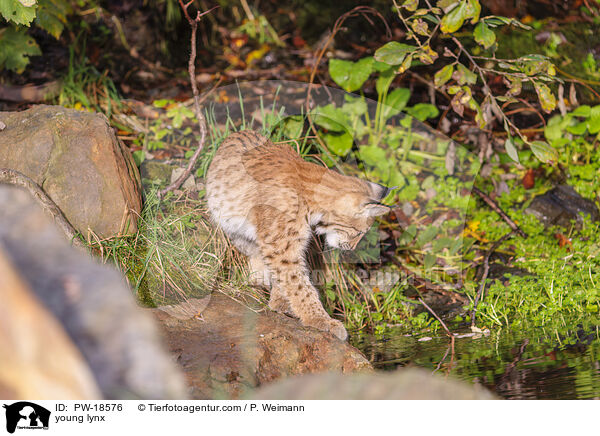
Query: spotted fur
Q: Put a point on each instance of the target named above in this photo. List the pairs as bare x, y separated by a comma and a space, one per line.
268, 200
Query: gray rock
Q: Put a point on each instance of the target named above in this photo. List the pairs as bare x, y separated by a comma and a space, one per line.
119, 341
189, 183
228, 348
403, 384
77, 160
39, 361
560, 206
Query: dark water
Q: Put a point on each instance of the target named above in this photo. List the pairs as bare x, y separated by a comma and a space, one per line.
534, 364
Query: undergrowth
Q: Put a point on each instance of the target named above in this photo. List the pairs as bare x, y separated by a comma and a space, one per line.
177, 254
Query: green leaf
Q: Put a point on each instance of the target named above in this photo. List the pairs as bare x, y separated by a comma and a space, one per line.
511, 150
52, 16
422, 111
473, 10
393, 53
446, 3
463, 75
427, 55
479, 119
582, 111
161, 103
406, 64
426, 235
555, 129
138, 157
331, 118
350, 75
339, 144
372, 155
442, 76
483, 35
411, 5
578, 129
395, 102
429, 261
547, 99
593, 125
384, 81
515, 86
544, 152
293, 126
420, 27
15, 48
17, 11
454, 20
354, 106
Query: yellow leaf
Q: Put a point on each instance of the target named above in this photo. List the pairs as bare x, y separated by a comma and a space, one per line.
255, 55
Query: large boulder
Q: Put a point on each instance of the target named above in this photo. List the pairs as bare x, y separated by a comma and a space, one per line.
119, 341
403, 384
39, 361
227, 348
77, 160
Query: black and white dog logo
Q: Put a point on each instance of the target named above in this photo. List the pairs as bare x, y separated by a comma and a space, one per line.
26, 415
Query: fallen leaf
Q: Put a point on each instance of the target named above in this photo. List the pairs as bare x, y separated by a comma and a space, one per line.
529, 179
563, 240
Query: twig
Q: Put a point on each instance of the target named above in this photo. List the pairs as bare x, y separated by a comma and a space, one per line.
486, 270
363, 11
12, 177
197, 109
448, 332
491, 203
436, 317
421, 283
450, 348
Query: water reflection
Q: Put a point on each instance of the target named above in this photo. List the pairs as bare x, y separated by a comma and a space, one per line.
536, 364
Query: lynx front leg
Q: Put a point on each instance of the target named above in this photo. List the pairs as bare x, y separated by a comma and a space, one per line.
304, 301
291, 285
282, 239
279, 302
259, 273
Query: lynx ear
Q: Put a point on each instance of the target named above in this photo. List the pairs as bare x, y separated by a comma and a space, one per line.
380, 191
375, 209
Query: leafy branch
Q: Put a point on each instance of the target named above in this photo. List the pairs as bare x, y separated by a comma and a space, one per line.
457, 78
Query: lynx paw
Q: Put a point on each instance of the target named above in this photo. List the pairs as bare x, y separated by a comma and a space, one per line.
281, 305
332, 326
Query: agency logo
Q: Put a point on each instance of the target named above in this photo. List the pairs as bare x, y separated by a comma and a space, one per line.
26, 415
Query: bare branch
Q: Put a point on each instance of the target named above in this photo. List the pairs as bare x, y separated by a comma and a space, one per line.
197, 108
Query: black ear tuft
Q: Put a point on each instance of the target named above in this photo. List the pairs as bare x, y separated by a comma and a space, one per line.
380, 191
385, 191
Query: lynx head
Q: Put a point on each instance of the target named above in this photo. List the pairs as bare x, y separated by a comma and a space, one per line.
350, 212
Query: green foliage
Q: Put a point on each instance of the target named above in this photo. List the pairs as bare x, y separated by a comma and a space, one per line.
52, 16
18, 12
84, 87
464, 75
15, 45
564, 279
350, 75
15, 48
260, 29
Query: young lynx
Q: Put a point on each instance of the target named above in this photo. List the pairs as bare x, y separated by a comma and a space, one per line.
268, 200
